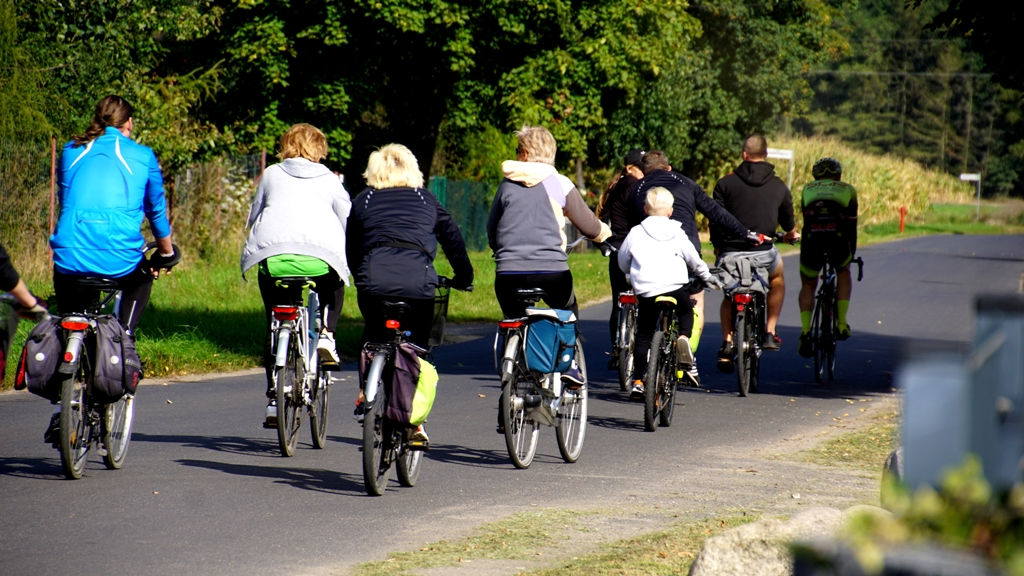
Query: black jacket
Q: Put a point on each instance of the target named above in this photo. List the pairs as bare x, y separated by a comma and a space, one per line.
617, 209
8, 275
391, 241
757, 198
689, 198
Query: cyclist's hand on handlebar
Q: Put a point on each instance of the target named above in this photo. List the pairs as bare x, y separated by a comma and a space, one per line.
791, 237
158, 261
714, 283
755, 238
38, 313
458, 283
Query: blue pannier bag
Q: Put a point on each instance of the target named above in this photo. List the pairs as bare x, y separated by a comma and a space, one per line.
550, 339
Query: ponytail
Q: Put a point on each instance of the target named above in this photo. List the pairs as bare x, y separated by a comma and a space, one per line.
602, 202
110, 111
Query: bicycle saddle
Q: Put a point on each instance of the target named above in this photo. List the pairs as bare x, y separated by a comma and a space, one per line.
395, 310
530, 295
294, 281
95, 283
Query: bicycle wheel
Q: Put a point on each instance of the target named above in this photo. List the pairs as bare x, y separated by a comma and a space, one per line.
627, 330
117, 430
74, 427
818, 339
572, 414
653, 382
408, 465
829, 359
521, 431
668, 381
376, 453
755, 327
289, 400
743, 352
319, 407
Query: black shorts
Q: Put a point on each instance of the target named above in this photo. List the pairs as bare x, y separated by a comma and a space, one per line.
815, 251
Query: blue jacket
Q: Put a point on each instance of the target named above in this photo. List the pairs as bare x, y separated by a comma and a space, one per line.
106, 187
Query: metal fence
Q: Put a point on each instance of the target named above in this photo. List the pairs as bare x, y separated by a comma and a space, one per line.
25, 203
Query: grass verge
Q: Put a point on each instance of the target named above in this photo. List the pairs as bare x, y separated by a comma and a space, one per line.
527, 536
864, 449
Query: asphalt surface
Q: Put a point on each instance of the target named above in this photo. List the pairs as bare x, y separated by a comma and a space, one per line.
203, 489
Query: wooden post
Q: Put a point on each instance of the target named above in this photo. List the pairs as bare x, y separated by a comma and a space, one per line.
220, 193
53, 186
903, 216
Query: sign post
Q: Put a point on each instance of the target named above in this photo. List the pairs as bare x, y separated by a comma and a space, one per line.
783, 154
976, 178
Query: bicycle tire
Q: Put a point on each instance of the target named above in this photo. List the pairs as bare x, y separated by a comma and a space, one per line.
668, 381
830, 348
740, 342
652, 383
74, 427
408, 466
117, 430
288, 389
756, 329
816, 339
572, 414
319, 407
628, 331
521, 431
376, 462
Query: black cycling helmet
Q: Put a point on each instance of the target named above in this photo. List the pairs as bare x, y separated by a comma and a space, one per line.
826, 167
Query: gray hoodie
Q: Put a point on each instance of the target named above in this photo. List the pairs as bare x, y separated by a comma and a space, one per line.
302, 208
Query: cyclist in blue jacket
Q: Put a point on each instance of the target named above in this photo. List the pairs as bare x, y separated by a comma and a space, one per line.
108, 183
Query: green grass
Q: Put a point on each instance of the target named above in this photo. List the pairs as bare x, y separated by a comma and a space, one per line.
865, 449
529, 536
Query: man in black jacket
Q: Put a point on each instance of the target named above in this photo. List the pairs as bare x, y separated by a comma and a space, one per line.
760, 200
689, 199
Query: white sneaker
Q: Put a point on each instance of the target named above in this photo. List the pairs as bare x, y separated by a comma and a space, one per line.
684, 356
271, 419
326, 349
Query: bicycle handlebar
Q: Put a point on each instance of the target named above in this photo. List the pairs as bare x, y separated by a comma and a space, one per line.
446, 282
605, 248
860, 267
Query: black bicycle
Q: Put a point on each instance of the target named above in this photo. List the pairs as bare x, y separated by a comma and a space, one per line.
387, 443
825, 321
625, 338
666, 361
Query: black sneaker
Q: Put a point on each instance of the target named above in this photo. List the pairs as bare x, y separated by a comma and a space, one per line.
806, 347
725, 353
772, 343
843, 332
52, 434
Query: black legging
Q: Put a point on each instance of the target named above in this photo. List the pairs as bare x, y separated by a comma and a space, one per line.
331, 292
135, 288
557, 287
647, 317
619, 285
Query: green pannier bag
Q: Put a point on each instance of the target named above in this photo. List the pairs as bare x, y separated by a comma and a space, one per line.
426, 390
413, 387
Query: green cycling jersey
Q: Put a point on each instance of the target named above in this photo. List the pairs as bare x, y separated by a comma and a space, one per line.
829, 207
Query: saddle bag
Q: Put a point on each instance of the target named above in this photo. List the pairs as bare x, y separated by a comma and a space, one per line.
550, 340
116, 368
37, 368
413, 387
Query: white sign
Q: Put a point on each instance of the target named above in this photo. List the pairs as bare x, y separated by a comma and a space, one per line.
780, 153
971, 177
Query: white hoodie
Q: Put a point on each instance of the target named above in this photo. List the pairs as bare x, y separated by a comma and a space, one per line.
657, 255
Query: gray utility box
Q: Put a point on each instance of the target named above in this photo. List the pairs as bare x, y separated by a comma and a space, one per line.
955, 405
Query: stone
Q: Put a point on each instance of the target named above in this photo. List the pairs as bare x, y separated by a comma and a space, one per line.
762, 547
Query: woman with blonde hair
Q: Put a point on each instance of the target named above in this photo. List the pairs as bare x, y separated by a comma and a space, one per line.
393, 233
297, 228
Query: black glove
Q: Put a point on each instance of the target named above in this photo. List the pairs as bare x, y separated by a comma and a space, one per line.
755, 238
160, 262
38, 313
459, 283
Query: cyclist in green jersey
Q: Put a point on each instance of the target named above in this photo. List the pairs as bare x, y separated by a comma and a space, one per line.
830, 228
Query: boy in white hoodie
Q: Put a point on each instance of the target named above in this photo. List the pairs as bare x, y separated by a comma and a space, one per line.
658, 257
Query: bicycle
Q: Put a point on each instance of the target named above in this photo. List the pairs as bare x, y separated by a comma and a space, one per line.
825, 321
387, 443
300, 378
530, 398
624, 338
664, 366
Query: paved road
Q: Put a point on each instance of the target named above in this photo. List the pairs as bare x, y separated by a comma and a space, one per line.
204, 491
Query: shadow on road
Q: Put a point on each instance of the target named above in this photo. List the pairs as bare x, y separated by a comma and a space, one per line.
615, 423
317, 480
37, 468
264, 447
470, 456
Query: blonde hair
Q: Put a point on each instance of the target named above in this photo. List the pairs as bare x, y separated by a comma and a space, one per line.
659, 201
393, 166
536, 144
305, 141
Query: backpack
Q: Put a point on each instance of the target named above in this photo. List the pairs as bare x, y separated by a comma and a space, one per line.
116, 367
550, 340
413, 387
37, 368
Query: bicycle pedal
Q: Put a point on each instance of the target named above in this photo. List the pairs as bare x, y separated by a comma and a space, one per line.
419, 445
499, 429
267, 425
331, 366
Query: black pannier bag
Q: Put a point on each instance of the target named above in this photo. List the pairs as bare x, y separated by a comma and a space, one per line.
116, 367
37, 369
